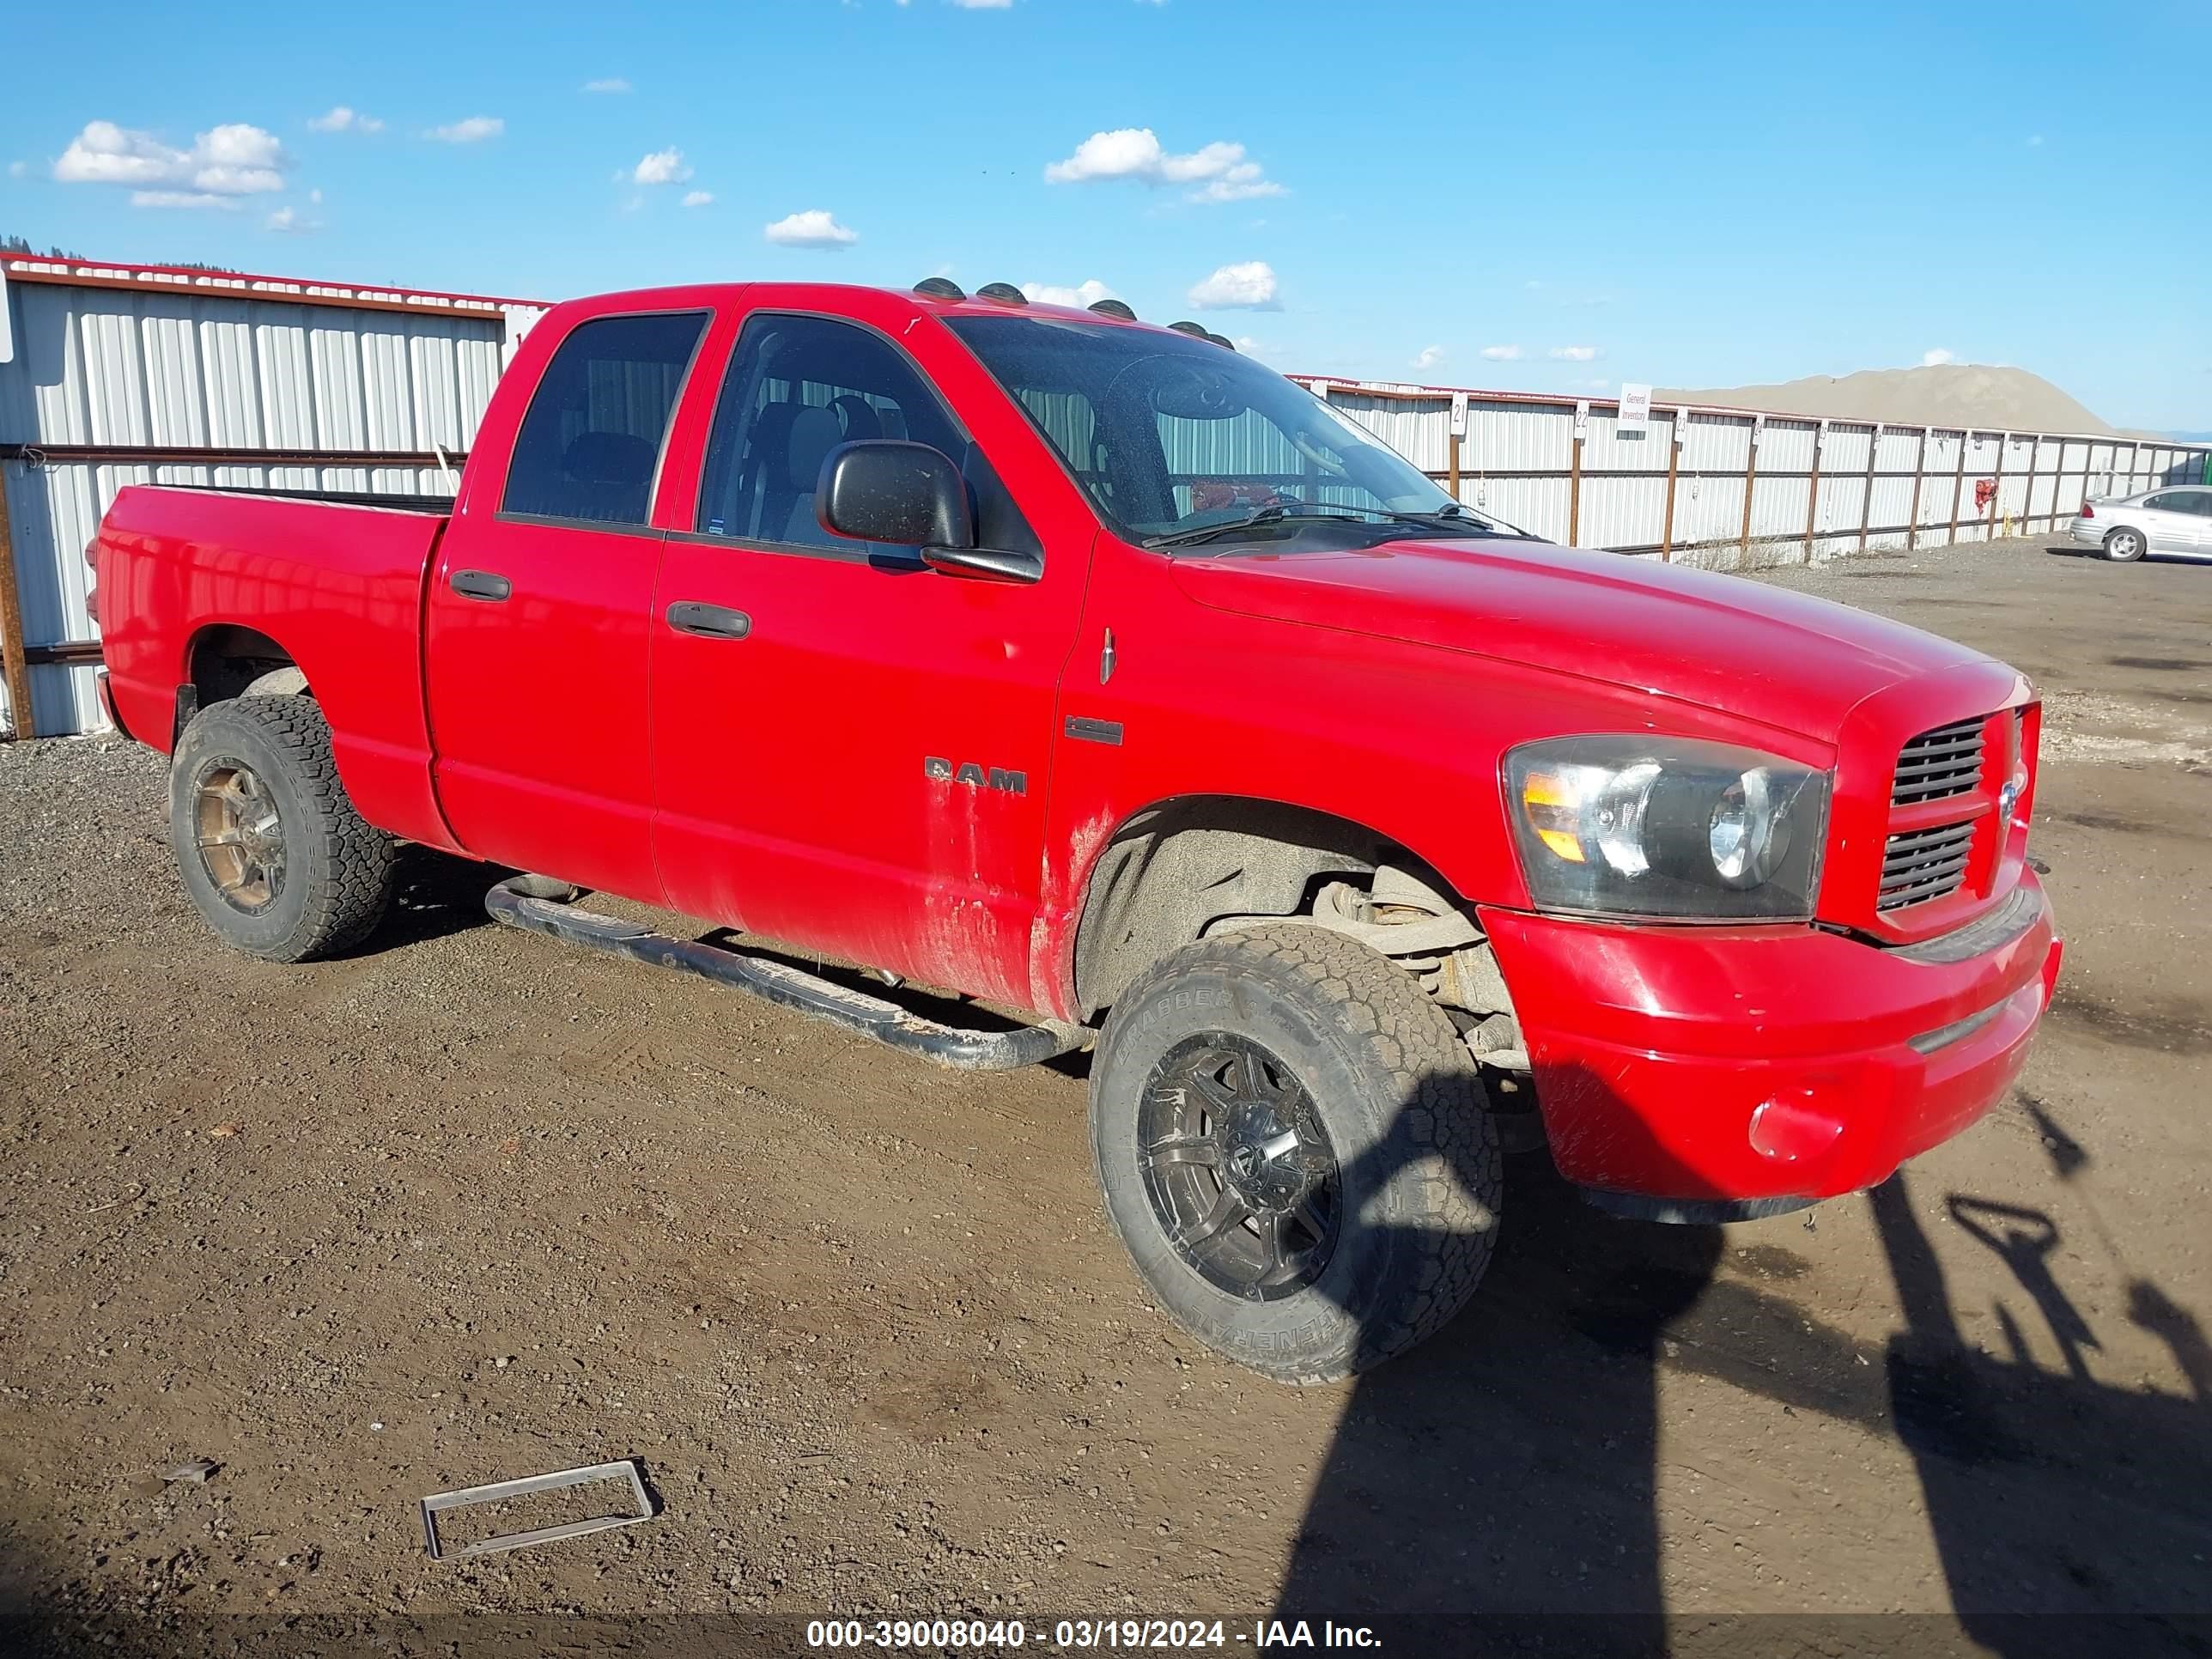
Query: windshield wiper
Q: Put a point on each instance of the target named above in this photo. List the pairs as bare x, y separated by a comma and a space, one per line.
1268, 515
1451, 513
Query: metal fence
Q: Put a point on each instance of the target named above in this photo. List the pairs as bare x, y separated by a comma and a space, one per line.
1697, 479
119, 375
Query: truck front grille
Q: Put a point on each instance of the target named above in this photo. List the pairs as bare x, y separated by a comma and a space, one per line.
1938, 764
1924, 864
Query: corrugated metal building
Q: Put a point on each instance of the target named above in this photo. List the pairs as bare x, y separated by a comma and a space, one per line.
120, 374
1563, 468
136, 374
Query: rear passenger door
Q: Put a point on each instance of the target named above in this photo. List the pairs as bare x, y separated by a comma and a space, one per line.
2169, 526
537, 613
856, 761
2196, 515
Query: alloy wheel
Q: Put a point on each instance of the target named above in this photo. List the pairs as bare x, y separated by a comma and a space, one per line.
1242, 1179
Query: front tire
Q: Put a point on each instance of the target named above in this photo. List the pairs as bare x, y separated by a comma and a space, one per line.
2125, 546
1291, 1141
271, 851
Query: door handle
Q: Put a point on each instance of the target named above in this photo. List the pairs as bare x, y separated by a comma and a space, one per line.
481, 585
708, 622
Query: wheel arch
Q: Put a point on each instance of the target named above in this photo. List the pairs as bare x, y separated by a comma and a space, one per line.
223, 661
1174, 866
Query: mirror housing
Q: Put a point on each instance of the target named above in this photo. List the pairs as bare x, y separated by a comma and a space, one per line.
994, 564
888, 490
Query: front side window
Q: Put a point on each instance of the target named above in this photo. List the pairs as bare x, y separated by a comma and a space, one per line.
1179, 443
591, 442
798, 387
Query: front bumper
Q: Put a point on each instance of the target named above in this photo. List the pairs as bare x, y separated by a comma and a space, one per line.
1723, 1064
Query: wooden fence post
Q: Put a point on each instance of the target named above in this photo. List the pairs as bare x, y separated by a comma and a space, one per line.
1959, 483
1919, 469
13, 667
1866, 497
1750, 477
1812, 494
1674, 431
1575, 478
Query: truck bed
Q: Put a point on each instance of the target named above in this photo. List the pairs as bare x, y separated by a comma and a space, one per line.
336, 585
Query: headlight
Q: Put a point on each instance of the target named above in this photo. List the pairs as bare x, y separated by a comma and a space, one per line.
1639, 826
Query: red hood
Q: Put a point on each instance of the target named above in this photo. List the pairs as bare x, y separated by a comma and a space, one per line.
1720, 642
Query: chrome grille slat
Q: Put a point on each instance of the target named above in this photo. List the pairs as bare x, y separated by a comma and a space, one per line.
1939, 764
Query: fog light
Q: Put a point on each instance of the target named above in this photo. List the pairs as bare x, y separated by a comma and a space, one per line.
1789, 1127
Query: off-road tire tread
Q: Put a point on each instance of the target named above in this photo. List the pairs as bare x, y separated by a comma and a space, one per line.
353, 881
1417, 1043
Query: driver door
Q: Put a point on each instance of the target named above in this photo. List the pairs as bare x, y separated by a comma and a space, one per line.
859, 767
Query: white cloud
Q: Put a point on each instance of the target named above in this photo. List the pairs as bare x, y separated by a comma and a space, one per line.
612, 84
2035, 140
663, 167
698, 198
473, 130
1428, 356
815, 227
291, 222
982, 5
182, 198
342, 120
1936, 358
1221, 170
1502, 354
1576, 354
231, 160
1249, 286
1085, 293
19, 169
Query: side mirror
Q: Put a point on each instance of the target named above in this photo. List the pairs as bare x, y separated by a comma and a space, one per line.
908, 494
886, 490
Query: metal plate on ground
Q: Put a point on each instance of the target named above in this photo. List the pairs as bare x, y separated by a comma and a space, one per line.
626, 1472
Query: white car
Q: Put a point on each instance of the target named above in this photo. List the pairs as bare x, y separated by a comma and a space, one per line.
2176, 520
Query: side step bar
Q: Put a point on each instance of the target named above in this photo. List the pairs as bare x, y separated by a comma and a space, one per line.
856, 1011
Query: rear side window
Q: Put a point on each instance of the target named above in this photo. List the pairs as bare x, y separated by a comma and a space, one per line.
591, 442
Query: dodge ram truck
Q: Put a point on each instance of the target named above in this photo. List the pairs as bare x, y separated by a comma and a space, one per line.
1119, 693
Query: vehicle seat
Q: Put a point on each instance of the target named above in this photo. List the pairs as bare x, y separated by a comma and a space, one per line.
607, 476
814, 433
859, 417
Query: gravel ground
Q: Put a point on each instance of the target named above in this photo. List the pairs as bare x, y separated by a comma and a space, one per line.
466, 1205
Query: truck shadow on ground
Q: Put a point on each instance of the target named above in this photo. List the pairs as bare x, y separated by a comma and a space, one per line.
1509, 1469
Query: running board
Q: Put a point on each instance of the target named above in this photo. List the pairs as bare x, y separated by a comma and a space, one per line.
856, 1011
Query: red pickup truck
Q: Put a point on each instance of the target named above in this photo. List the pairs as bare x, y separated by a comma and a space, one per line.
1114, 687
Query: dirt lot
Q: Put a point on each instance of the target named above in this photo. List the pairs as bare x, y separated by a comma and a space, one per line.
469, 1205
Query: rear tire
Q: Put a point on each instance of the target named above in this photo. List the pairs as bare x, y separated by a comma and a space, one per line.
1301, 1096
2125, 546
271, 851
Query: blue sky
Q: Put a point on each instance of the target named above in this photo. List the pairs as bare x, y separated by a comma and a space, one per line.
1701, 194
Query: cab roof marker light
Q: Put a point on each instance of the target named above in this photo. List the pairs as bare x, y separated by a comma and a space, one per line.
1004, 293
939, 288
1114, 308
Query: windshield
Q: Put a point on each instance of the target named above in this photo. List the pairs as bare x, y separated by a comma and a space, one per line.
1178, 442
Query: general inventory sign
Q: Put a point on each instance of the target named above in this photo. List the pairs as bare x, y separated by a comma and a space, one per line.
1635, 410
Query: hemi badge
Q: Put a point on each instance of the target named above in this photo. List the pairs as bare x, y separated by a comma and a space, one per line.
1093, 731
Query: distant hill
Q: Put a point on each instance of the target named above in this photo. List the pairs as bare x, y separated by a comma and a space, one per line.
1947, 394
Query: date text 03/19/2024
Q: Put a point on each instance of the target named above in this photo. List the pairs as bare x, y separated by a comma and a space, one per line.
1124, 1634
